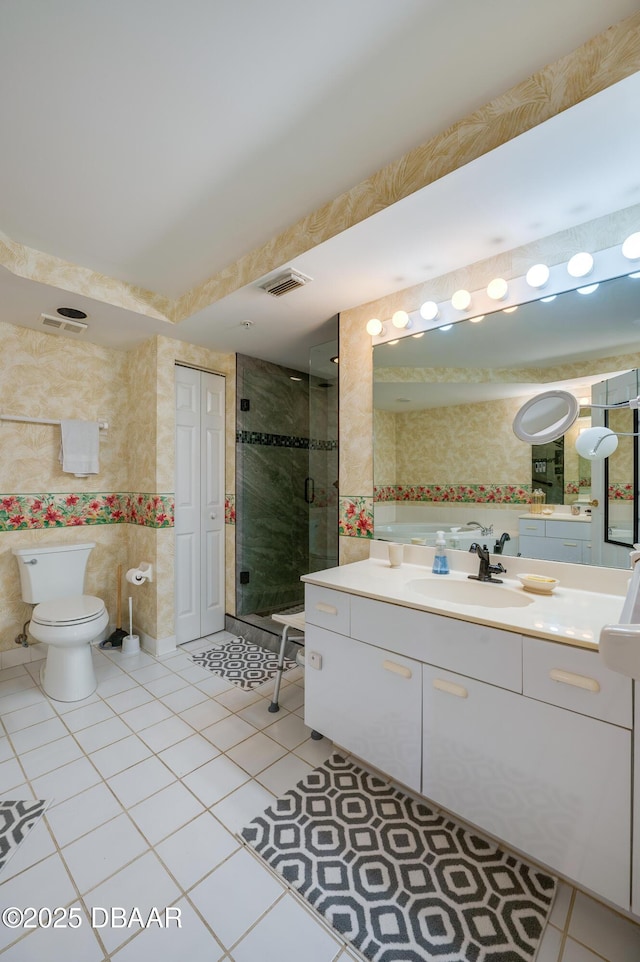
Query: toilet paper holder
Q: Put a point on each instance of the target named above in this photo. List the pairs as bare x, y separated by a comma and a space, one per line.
137, 576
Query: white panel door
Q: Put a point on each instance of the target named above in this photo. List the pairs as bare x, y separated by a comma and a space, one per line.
199, 519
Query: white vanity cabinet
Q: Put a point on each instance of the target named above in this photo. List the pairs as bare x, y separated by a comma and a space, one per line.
555, 540
537, 776
527, 739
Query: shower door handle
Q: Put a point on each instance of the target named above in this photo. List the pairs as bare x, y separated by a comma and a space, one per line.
309, 490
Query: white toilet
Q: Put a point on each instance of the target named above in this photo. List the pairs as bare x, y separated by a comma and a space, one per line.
66, 620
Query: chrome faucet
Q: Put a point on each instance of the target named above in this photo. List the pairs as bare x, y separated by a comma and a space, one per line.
487, 570
485, 532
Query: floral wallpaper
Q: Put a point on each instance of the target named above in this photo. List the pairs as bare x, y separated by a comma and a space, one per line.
19, 512
355, 517
468, 493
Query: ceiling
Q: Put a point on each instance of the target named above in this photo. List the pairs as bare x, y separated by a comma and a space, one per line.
157, 142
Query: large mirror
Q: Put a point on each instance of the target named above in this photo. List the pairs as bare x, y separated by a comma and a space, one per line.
445, 453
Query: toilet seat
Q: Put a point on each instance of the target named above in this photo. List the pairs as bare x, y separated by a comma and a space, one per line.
79, 610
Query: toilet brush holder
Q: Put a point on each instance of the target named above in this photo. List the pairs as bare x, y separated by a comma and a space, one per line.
130, 644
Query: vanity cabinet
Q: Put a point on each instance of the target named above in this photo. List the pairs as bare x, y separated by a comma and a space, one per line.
555, 540
367, 700
524, 738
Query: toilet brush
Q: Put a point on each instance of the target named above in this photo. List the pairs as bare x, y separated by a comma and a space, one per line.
130, 617
115, 638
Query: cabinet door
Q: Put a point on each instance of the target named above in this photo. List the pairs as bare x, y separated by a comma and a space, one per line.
367, 700
549, 782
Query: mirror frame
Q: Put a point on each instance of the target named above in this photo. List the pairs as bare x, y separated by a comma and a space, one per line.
555, 430
634, 522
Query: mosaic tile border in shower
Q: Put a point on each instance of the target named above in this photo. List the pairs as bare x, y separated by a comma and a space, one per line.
19, 512
285, 441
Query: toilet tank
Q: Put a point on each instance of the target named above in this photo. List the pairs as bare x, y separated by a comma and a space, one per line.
56, 571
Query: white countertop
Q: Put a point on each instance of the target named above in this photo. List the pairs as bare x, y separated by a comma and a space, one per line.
569, 615
556, 516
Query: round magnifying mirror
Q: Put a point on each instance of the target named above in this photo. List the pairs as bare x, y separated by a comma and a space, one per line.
546, 417
594, 444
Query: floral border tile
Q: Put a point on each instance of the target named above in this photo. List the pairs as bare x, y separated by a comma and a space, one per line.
229, 509
468, 493
620, 491
19, 512
355, 517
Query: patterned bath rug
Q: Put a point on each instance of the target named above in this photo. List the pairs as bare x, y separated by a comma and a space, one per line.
241, 663
398, 880
17, 818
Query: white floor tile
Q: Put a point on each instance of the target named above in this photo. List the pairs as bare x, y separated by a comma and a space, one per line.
131, 698
193, 673
183, 698
165, 812
258, 714
115, 684
206, 713
149, 673
256, 753
144, 884
192, 941
549, 950
17, 682
92, 714
52, 756
196, 849
21, 699
217, 897
315, 751
58, 945
106, 733
241, 807
6, 750
187, 755
34, 736
23, 717
290, 731
228, 732
82, 813
573, 952
45, 884
166, 733
602, 930
141, 780
213, 685
11, 774
147, 714
278, 936
284, 774
115, 758
66, 781
235, 699
561, 904
291, 697
63, 707
213, 781
164, 686
94, 857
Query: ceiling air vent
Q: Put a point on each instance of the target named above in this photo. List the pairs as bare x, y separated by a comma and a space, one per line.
284, 283
63, 323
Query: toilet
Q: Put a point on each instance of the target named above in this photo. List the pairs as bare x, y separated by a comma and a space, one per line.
65, 619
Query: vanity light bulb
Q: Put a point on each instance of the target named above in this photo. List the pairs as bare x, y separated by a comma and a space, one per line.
580, 265
537, 276
445, 327
401, 319
476, 320
429, 311
461, 300
497, 289
589, 289
374, 327
547, 300
510, 310
631, 247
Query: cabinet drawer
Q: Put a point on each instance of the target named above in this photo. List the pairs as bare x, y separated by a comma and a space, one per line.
577, 680
475, 650
327, 608
569, 530
529, 526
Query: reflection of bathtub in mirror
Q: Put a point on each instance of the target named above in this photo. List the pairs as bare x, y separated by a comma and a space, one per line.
406, 532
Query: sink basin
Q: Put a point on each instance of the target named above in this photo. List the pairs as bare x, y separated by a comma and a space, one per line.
468, 592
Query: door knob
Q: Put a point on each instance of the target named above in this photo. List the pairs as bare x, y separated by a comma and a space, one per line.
594, 503
213, 516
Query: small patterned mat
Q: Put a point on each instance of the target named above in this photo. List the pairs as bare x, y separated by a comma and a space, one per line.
17, 818
398, 880
241, 663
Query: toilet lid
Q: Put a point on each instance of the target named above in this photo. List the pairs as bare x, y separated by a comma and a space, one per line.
67, 611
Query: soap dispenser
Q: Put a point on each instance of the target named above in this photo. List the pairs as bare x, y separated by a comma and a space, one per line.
440, 563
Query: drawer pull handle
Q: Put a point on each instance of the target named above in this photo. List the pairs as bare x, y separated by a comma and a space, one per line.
326, 609
570, 544
450, 688
530, 527
397, 669
578, 681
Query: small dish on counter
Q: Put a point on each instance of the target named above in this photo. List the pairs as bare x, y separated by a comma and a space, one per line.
541, 584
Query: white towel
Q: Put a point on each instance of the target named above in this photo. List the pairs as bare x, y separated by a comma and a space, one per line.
79, 445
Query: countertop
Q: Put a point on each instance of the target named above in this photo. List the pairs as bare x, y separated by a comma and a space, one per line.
556, 516
570, 615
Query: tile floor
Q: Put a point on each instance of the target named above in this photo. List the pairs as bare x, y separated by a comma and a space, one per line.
149, 780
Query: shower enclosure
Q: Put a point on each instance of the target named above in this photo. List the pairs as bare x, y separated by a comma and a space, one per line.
286, 481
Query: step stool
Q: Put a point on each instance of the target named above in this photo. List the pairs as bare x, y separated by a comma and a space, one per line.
297, 623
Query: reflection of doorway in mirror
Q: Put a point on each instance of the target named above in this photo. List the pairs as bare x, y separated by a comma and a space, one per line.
547, 470
577, 470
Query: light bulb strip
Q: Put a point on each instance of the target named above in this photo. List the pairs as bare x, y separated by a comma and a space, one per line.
608, 263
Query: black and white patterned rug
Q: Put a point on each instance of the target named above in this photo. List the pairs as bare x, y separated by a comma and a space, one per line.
395, 878
242, 663
17, 818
